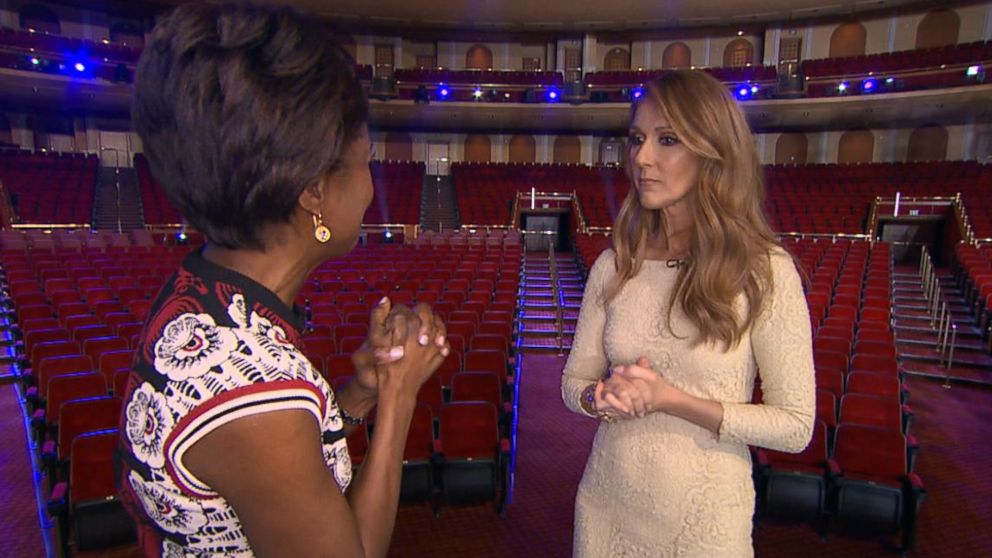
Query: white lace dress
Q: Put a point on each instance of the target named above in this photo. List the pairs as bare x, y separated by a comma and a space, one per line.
660, 486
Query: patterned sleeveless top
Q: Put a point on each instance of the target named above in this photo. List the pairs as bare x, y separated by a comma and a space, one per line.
217, 347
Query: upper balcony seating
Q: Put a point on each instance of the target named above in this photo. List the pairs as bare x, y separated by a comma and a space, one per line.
398, 187
481, 78
640, 77
50, 187
832, 198
486, 190
57, 44
900, 61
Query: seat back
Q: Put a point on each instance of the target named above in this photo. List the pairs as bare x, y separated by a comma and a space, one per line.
870, 451
430, 394
51, 367
469, 430
486, 361
91, 471
871, 410
871, 383
420, 438
112, 361
89, 414
476, 386
72, 386
99, 345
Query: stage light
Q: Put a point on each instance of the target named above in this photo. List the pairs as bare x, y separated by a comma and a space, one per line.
842, 87
869, 85
552, 95
388, 234
637, 93
477, 93
890, 81
35, 61
973, 70
743, 92
754, 89
443, 92
80, 67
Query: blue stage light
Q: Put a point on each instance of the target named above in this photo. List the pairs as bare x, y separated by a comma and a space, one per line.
443, 92
743, 92
637, 93
869, 85
754, 89
79, 66
552, 95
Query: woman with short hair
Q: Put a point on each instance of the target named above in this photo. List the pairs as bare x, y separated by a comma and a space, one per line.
233, 444
695, 300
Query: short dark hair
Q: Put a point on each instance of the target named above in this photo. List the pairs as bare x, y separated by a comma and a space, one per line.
240, 108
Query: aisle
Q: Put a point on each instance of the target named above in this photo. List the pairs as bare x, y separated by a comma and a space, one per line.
21, 535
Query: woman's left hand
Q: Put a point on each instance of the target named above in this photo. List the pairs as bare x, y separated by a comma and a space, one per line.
376, 350
654, 390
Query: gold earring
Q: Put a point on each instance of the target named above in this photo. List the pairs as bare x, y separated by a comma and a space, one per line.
320, 230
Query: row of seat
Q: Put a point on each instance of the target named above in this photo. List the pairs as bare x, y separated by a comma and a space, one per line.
43, 43
49, 187
902, 60
973, 274
76, 350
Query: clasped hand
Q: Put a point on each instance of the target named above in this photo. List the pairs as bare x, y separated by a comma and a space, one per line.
632, 390
401, 342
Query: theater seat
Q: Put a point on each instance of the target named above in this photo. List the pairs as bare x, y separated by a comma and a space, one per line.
87, 506
794, 486
475, 458
875, 492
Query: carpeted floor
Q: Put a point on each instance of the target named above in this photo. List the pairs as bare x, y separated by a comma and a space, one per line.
20, 534
951, 426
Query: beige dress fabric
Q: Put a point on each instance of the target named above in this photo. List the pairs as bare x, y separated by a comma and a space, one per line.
660, 486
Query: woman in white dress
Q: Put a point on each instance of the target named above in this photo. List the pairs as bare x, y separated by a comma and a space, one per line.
695, 300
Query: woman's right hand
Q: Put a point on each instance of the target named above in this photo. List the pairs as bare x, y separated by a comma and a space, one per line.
423, 336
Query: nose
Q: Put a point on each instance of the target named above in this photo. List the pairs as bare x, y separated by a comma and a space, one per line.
643, 156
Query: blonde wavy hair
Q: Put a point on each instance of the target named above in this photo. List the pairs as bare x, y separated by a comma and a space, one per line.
730, 238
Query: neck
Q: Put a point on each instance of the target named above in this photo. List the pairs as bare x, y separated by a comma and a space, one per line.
281, 270
672, 241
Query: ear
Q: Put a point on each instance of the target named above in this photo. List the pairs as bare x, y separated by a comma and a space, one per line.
312, 197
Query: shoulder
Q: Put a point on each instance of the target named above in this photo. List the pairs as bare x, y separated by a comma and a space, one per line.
782, 264
604, 266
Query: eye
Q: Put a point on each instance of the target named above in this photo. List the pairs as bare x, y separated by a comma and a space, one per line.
635, 139
668, 140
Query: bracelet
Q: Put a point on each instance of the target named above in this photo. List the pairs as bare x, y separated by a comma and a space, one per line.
588, 401
350, 420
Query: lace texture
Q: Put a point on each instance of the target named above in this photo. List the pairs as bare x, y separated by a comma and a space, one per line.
659, 485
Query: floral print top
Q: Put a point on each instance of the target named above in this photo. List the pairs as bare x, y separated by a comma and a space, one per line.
217, 347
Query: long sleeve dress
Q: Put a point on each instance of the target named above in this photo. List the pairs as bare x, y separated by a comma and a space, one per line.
660, 486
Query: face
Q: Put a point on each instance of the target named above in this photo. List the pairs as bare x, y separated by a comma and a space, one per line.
348, 193
663, 169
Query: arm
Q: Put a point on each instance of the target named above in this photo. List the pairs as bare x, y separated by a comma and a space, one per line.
587, 361
270, 468
783, 350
